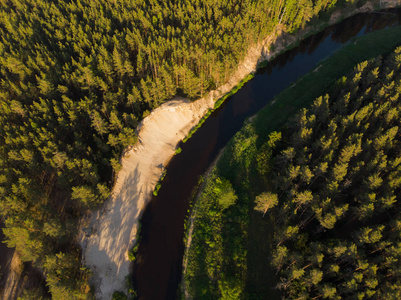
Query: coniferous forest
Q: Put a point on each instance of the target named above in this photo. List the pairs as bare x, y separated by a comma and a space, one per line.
336, 190
76, 78
324, 192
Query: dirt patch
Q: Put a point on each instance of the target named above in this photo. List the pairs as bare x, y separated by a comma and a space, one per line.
13, 280
16, 276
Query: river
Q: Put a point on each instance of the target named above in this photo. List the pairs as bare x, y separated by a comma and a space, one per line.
157, 270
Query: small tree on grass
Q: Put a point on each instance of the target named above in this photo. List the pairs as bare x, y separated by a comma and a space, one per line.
265, 201
225, 193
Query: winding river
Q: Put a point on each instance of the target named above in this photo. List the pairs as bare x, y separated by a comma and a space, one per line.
157, 271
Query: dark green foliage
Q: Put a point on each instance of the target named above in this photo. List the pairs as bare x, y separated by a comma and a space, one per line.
76, 78
215, 263
32, 294
119, 296
335, 171
336, 231
134, 250
131, 254
159, 183
65, 278
131, 291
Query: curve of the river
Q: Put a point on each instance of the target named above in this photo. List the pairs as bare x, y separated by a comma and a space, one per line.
157, 271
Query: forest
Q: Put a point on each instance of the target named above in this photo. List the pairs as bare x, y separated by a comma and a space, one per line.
77, 77
313, 208
337, 175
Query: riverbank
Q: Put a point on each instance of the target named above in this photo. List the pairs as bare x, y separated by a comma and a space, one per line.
109, 233
191, 219
269, 119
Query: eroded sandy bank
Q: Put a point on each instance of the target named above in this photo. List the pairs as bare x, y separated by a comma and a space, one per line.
112, 229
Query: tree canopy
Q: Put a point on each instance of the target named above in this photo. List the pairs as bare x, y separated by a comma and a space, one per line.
76, 78
317, 214
340, 190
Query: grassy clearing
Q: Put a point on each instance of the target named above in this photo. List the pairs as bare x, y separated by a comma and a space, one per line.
217, 230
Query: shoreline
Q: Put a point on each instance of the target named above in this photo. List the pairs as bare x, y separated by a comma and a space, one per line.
108, 233
191, 220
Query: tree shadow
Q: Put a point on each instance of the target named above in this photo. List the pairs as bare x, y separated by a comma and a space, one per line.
107, 250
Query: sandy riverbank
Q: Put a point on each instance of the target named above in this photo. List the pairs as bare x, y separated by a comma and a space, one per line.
110, 232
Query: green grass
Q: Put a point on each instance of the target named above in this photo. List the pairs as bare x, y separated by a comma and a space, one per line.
178, 150
208, 248
159, 184
315, 83
134, 250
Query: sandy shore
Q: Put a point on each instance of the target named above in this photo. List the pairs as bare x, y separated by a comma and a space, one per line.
112, 229
108, 234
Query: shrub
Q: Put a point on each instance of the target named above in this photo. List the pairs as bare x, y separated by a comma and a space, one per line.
118, 295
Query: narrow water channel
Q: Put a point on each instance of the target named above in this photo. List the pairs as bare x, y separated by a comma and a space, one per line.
157, 271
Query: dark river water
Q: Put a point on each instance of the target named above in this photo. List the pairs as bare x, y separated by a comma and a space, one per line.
157, 271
